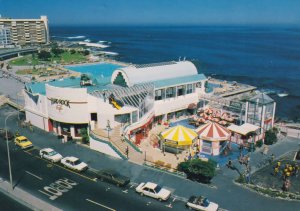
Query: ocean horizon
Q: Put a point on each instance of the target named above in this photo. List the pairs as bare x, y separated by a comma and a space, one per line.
265, 56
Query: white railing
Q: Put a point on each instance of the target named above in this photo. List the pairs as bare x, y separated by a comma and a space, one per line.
142, 121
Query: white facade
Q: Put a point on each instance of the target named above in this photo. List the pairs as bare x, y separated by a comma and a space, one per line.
65, 110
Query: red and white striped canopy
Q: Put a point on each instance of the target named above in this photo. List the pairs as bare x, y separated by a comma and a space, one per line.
212, 131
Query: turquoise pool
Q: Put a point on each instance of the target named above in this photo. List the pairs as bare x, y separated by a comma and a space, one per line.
99, 70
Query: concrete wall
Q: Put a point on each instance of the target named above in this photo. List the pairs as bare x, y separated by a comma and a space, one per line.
103, 147
37, 120
76, 112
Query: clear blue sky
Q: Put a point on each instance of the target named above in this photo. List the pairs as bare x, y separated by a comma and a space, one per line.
156, 11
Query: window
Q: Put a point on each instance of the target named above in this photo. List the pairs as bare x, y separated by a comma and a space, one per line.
159, 94
189, 88
170, 92
94, 117
120, 80
181, 90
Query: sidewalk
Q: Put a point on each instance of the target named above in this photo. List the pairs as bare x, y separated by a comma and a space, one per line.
25, 198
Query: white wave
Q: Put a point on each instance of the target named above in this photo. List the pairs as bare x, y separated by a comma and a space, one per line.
87, 40
97, 45
102, 41
76, 37
109, 53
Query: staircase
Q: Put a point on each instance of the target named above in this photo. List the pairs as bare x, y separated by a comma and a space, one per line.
115, 139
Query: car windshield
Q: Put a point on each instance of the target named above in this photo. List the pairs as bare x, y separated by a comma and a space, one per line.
77, 162
52, 153
157, 189
23, 140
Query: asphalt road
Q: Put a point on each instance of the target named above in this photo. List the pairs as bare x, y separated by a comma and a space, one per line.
80, 192
10, 204
228, 195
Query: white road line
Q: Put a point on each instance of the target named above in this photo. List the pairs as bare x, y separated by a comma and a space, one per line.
34, 175
179, 198
100, 205
221, 209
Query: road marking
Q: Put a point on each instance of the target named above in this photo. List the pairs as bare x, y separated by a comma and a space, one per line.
125, 191
179, 198
92, 179
29, 150
34, 175
49, 165
101, 205
107, 189
169, 205
221, 209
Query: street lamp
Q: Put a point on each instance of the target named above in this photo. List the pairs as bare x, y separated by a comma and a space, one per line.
19, 94
8, 154
108, 128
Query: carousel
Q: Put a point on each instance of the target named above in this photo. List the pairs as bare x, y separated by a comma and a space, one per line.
177, 138
212, 138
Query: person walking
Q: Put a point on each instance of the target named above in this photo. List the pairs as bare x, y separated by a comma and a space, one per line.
127, 151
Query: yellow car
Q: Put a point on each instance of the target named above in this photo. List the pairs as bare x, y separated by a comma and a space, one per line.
23, 142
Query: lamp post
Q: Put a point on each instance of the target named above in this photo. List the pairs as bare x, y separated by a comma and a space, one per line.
19, 94
8, 153
108, 128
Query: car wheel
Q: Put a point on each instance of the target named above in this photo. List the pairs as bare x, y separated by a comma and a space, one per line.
142, 194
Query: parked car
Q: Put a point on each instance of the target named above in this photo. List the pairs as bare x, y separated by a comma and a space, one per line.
201, 203
10, 135
23, 142
153, 190
113, 177
50, 154
74, 163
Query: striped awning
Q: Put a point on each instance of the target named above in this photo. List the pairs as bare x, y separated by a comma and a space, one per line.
180, 134
212, 131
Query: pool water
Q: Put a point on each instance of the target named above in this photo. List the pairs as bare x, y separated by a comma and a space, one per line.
99, 70
184, 122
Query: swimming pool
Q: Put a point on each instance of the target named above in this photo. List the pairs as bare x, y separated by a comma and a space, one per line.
99, 70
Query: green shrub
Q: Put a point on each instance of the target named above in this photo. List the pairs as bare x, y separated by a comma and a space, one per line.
84, 135
196, 169
270, 137
259, 143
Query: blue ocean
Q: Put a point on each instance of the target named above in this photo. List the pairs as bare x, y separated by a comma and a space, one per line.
267, 57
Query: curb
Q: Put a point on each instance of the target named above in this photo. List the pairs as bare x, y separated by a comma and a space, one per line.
251, 188
25, 198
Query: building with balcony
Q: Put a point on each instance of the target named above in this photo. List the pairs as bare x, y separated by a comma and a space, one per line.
27, 31
5, 37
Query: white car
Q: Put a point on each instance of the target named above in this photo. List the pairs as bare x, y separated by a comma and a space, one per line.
201, 203
74, 163
50, 154
153, 190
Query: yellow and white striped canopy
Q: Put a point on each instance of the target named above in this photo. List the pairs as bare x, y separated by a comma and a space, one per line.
180, 134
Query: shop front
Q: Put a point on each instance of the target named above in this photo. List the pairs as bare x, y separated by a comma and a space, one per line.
142, 132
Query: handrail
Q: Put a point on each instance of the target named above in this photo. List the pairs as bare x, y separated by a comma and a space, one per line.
133, 145
110, 143
145, 117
